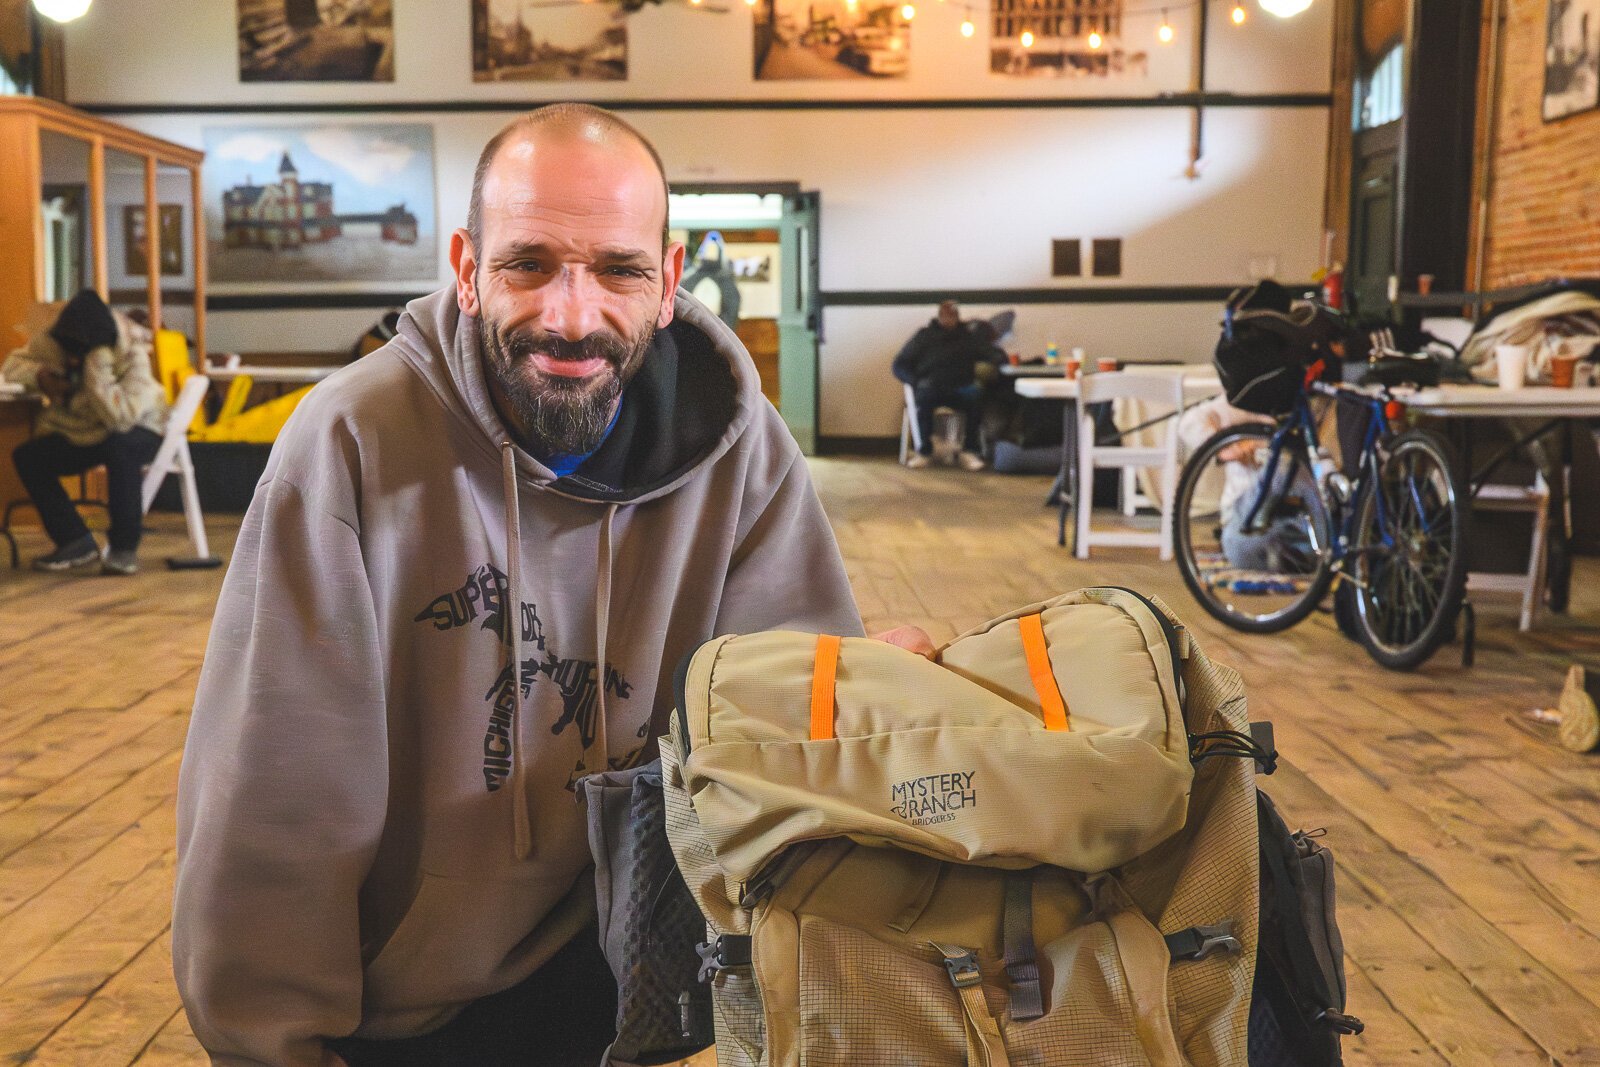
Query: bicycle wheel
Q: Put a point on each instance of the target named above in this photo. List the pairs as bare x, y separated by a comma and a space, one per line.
1408, 557
1254, 550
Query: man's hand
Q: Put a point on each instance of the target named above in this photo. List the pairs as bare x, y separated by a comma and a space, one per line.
912, 638
53, 385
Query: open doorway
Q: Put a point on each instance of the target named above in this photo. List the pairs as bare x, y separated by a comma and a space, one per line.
752, 259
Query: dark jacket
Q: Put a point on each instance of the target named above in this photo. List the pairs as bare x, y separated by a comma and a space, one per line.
943, 360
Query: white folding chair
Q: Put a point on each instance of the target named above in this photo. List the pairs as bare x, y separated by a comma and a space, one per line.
910, 432
1535, 500
173, 458
1164, 389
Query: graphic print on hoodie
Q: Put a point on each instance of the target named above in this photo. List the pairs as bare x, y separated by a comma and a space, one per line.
577, 679
349, 858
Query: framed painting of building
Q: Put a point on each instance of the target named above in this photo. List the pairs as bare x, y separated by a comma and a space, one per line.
335, 207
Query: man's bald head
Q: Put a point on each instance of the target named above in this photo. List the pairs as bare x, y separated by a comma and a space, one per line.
581, 121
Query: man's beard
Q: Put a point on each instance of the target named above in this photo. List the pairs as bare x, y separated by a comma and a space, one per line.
560, 416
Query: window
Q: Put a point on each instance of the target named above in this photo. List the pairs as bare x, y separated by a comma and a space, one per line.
1380, 98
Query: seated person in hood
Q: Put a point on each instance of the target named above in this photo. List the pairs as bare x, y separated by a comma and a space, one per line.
103, 407
469, 572
940, 364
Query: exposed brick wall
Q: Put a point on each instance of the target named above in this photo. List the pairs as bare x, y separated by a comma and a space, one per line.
1544, 203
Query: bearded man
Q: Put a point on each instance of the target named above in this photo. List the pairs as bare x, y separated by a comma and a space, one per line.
473, 563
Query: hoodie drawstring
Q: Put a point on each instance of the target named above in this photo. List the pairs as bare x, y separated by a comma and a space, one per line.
522, 831
602, 623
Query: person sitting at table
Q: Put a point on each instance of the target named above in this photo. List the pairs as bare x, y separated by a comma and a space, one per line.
940, 364
102, 407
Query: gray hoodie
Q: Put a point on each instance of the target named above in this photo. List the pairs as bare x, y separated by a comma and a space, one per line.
377, 823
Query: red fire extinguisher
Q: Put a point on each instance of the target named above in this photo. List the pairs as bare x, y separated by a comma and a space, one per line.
1333, 287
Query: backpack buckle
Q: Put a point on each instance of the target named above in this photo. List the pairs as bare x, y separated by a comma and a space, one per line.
962, 963
726, 950
1198, 942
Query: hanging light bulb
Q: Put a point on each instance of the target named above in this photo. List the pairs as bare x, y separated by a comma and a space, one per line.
1238, 14
908, 12
1164, 33
1284, 9
1027, 38
61, 10
967, 28
750, 3
1095, 40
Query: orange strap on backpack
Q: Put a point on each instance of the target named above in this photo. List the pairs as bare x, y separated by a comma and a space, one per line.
1051, 704
822, 678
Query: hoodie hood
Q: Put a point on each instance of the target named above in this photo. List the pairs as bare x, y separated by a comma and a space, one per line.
695, 393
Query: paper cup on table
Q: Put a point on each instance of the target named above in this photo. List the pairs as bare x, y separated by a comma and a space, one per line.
1561, 370
1511, 364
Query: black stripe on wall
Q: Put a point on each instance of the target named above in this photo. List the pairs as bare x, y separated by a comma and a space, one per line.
1145, 294
1123, 294
1255, 100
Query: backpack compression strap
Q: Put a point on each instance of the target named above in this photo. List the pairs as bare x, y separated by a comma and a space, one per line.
1051, 704
822, 678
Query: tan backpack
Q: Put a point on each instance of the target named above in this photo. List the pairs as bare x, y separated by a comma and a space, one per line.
1017, 854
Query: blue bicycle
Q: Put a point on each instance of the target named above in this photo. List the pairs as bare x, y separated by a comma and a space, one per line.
1266, 524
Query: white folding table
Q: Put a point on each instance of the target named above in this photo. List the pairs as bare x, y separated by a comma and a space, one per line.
1200, 382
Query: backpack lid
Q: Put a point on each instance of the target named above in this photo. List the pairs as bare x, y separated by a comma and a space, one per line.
1053, 735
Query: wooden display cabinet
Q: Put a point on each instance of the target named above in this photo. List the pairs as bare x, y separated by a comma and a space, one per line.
58, 236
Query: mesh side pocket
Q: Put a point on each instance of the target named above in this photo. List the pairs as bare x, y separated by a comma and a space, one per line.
864, 1003
737, 1016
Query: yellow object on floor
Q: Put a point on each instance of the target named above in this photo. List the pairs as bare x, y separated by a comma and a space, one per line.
258, 425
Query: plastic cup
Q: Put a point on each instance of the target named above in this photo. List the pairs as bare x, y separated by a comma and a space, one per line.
1105, 365
1511, 364
1014, 358
1561, 371
1073, 365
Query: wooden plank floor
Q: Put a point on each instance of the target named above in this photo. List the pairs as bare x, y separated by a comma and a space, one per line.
1468, 851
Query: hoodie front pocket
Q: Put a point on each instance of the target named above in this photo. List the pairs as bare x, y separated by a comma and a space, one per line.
464, 938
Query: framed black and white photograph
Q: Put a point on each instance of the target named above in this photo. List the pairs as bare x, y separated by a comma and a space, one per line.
335, 206
1571, 58
133, 240
1069, 39
549, 40
809, 40
316, 41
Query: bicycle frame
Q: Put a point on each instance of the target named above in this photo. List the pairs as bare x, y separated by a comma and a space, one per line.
1300, 423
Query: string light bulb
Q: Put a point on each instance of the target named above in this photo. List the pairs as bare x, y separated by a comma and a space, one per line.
967, 28
1095, 40
1238, 14
61, 10
1027, 38
1284, 9
1164, 34
908, 12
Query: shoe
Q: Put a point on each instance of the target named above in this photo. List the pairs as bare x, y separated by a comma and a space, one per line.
917, 461
73, 554
120, 561
1580, 719
970, 461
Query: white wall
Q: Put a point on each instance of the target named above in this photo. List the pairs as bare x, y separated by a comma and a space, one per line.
936, 199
